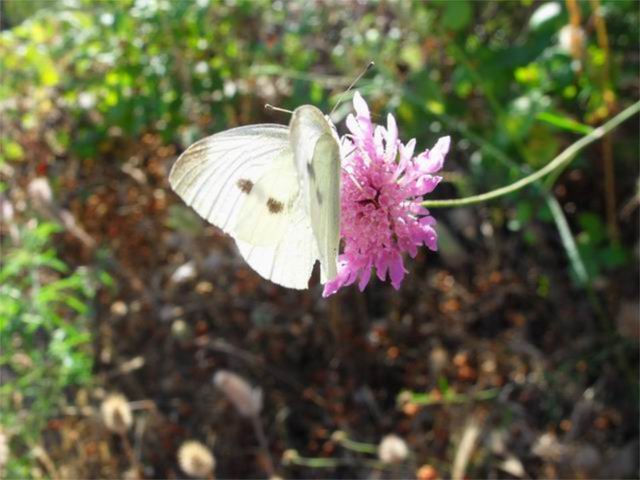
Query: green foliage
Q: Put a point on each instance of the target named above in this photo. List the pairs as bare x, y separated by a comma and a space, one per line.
170, 66
599, 252
44, 337
124, 71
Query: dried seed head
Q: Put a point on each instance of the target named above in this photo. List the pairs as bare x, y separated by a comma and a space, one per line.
392, 449
6, 210
245, 398
289, 456
39, 190
116, 413
339, 436
195, 459
4, 449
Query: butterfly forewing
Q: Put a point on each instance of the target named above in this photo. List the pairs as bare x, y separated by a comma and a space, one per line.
245, 182
212, 175
266, 213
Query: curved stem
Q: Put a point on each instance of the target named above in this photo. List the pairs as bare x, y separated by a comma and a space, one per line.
565, 157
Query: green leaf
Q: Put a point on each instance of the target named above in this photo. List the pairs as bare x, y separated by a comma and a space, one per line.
443, 385
48, 74
564, 123
412, 55
457, 15
12, 150
593, 227
76, 304
581, 272
614, 256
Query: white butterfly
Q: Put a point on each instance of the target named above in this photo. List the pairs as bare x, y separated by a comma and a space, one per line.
275, 190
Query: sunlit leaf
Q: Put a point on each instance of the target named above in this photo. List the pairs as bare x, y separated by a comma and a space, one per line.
564, 123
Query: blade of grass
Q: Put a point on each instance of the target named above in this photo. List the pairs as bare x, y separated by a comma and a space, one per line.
569, 243
564, 123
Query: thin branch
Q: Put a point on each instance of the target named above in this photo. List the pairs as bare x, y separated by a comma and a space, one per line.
565, 157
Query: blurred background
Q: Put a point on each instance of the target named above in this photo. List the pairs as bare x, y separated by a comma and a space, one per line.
511, 353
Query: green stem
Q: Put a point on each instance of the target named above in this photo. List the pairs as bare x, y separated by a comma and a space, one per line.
359, 447
566, 156
452, 398
567, 240
330, 462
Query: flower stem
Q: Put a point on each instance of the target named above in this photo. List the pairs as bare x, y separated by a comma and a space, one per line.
330, 462
565, 157
264, 444
355, 446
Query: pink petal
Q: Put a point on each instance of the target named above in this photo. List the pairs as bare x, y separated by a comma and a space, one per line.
435, 158
392, 129
365, 275
353, 126
427, 184
331, 287
427, 220
378, 136
396, 271
406, 152
345, 277
360, 106
391, 142
430, 237
381, 267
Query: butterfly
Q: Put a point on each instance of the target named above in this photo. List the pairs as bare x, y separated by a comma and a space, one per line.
274, 189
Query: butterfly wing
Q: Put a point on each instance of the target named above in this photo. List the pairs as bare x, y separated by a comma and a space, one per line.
317, 157
290, 261
244, 181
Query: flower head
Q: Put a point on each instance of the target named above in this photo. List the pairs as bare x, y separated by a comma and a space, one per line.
392, 449
195, 459
382, 187
116, 413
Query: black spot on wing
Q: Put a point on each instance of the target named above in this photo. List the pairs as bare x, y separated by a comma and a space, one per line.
274, 206
245, 185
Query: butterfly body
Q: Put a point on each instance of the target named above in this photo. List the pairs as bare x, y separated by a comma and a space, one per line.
275, 190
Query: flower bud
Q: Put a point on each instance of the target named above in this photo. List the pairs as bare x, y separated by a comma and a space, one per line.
392, 449
245, 398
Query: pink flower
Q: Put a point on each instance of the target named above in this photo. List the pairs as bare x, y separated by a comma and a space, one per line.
382, 187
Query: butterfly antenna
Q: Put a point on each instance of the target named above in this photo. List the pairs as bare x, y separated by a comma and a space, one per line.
366, 69
268, 106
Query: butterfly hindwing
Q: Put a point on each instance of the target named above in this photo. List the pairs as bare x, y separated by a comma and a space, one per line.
317, 158
324, 198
